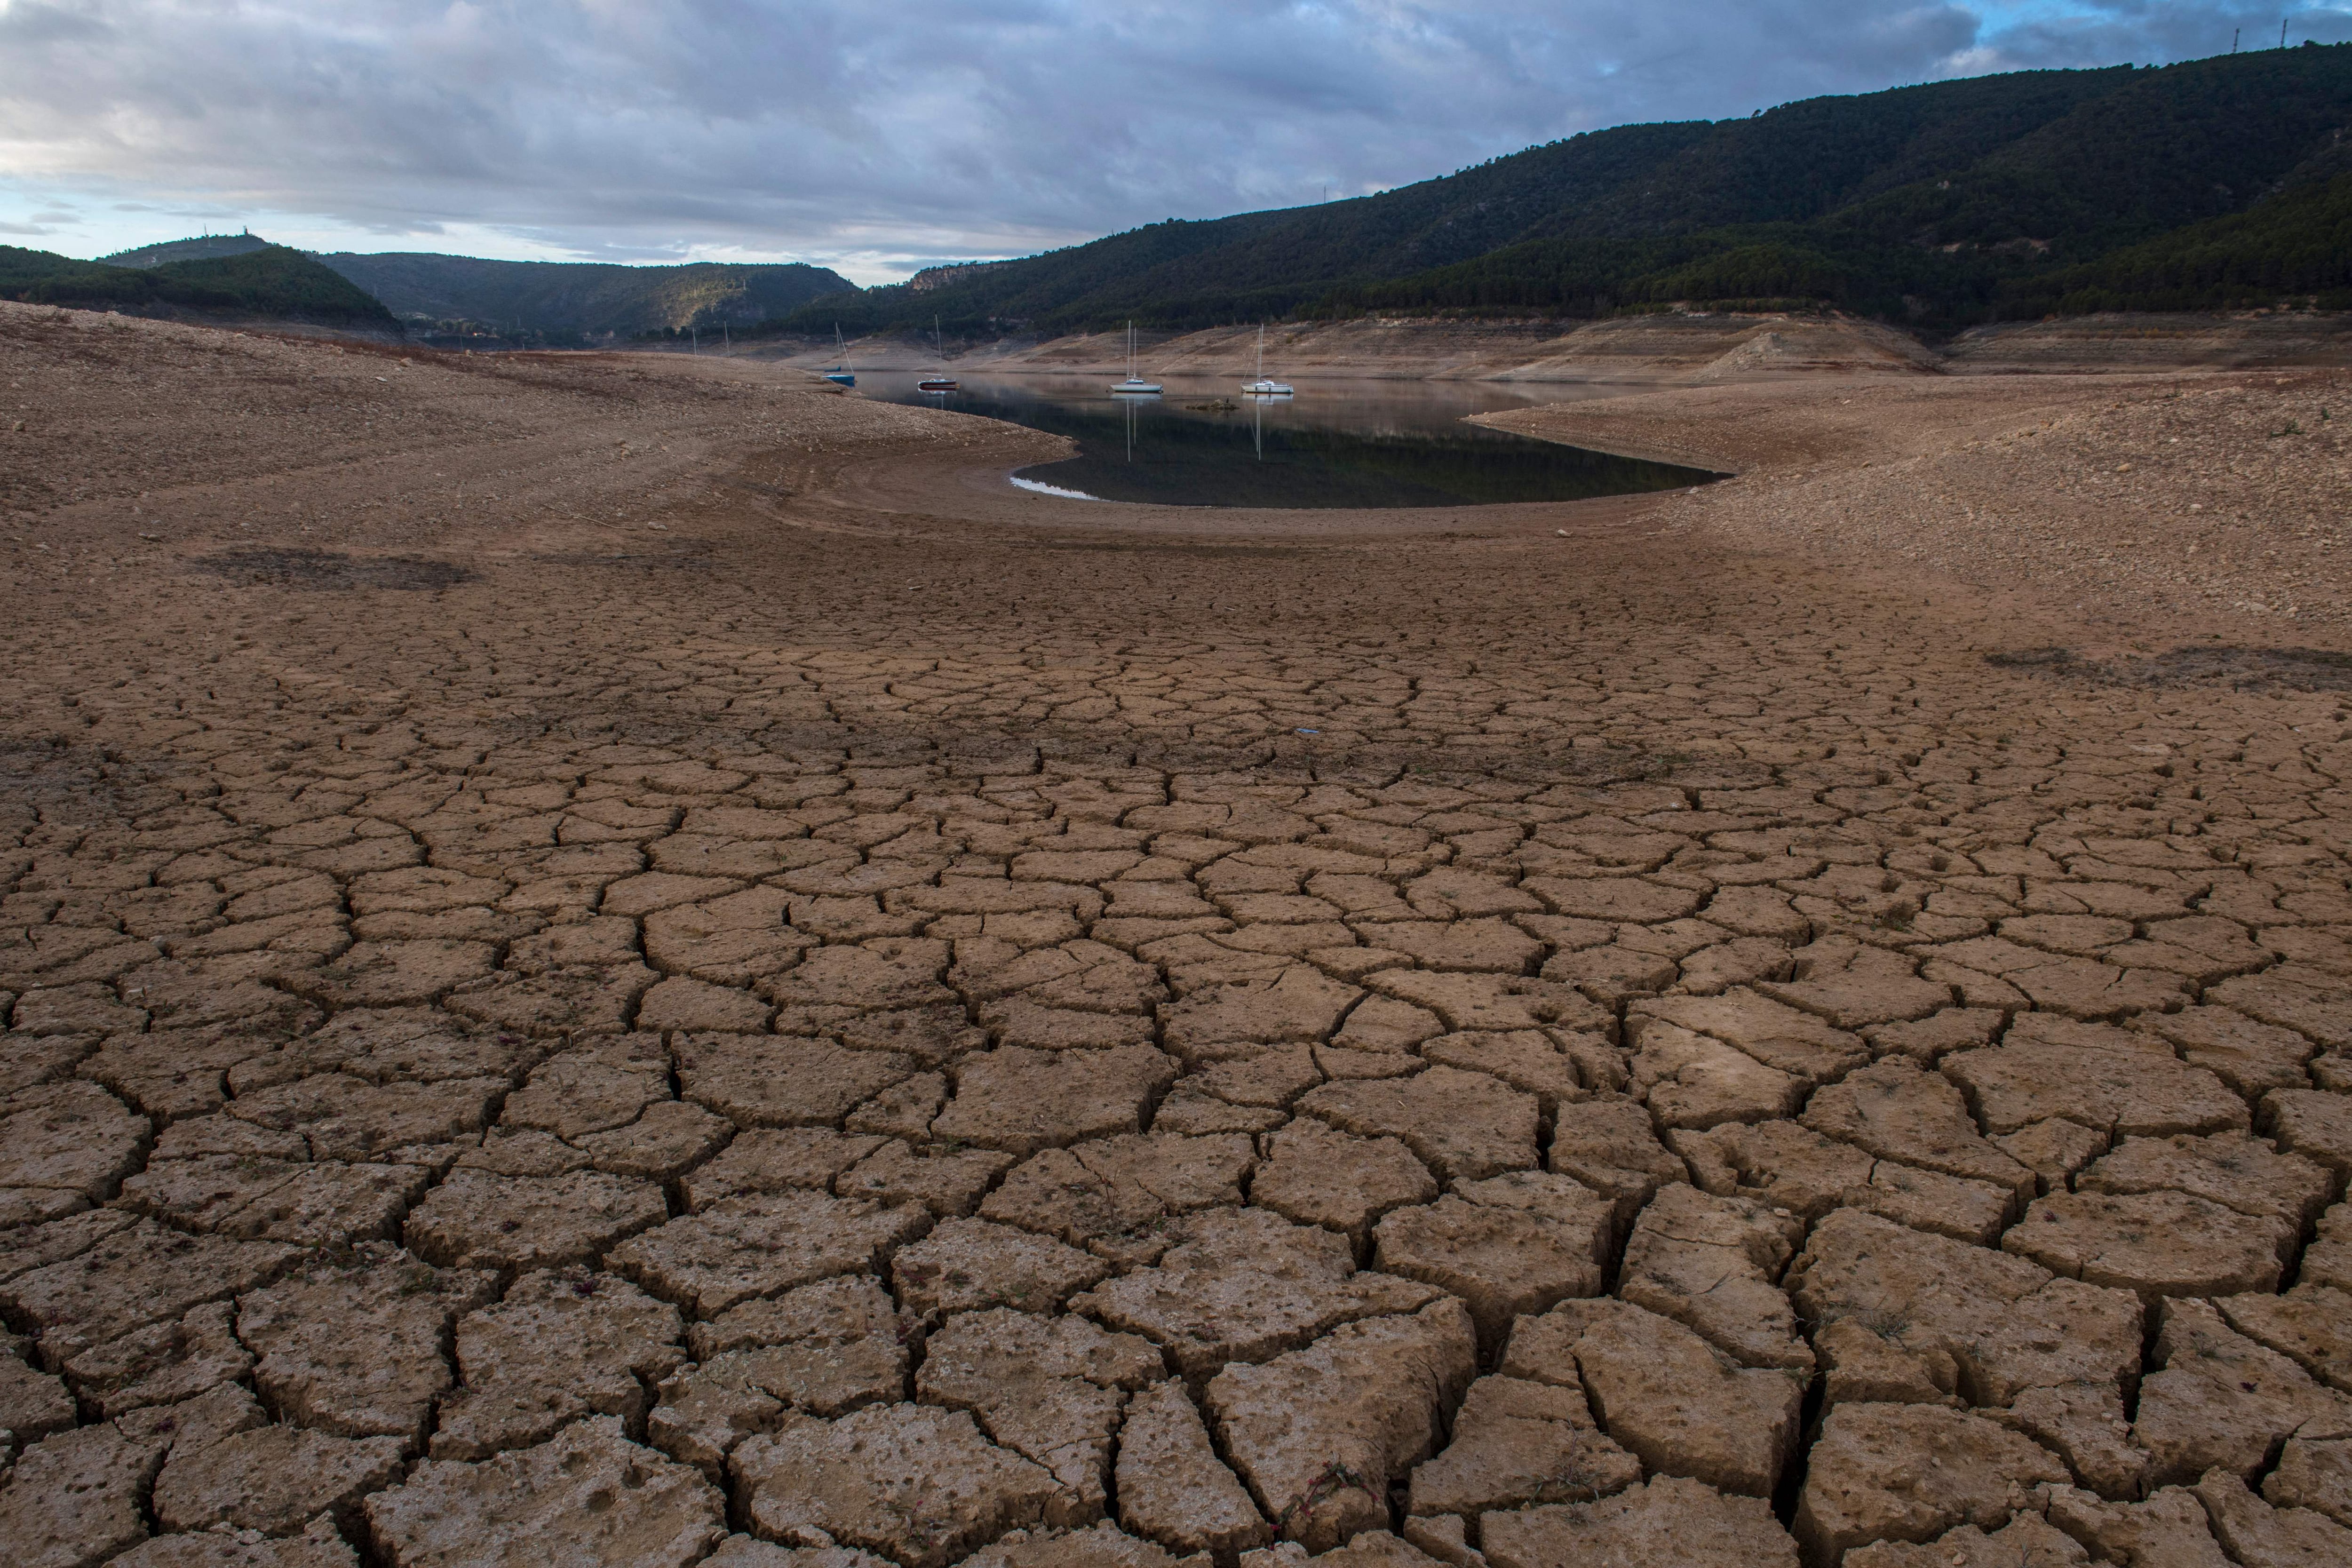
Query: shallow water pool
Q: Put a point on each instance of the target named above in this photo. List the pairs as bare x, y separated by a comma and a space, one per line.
1335, 443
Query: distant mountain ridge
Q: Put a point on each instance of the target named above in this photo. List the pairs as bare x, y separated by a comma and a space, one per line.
1937, 206
2215, 183
570, 302
552, 303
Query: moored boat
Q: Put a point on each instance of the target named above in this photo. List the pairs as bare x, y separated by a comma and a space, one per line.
1134, 386
1265, 386
937, 381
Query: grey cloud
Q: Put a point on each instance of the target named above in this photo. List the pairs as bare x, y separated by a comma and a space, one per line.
28, 24
846, 128
2109, 31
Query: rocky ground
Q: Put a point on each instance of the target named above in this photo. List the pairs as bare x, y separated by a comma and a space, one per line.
627, 961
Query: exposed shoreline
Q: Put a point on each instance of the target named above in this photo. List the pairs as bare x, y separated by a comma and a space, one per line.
2221, 497
1665, 346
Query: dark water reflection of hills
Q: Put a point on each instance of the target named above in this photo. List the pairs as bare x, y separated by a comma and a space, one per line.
1389, 447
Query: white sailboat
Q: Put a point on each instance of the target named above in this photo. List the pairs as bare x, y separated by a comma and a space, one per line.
840, 374
1262, 386
1134, 384
937, 381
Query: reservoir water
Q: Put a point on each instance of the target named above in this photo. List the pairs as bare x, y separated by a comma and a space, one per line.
1335, 443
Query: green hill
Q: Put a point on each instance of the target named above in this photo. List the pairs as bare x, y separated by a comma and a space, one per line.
1939, 206
270, 282
570, 302
2297, 245
204, 247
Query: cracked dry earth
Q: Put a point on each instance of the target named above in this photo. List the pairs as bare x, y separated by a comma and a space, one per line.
836, 1032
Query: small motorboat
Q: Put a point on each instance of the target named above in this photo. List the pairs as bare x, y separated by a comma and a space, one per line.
938, 381
841, 375
1265, 386
1134, 386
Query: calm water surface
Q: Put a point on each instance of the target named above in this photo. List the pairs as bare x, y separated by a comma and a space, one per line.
1335, 443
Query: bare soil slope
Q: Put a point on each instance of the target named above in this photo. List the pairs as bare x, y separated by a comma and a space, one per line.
2129, 342
629, 961
1670, 347
2224, 498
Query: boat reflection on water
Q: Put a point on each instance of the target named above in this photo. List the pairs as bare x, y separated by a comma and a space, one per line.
1265, 386
1134, 386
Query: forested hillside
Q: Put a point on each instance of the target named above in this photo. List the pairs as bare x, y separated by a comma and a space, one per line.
570, 302
2297, 245
270, 282
203, 248
2214, 184
1939, 205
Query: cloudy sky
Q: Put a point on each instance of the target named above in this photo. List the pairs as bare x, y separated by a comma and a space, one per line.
876, 136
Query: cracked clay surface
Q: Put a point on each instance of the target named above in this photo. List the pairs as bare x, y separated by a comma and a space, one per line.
619, 961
